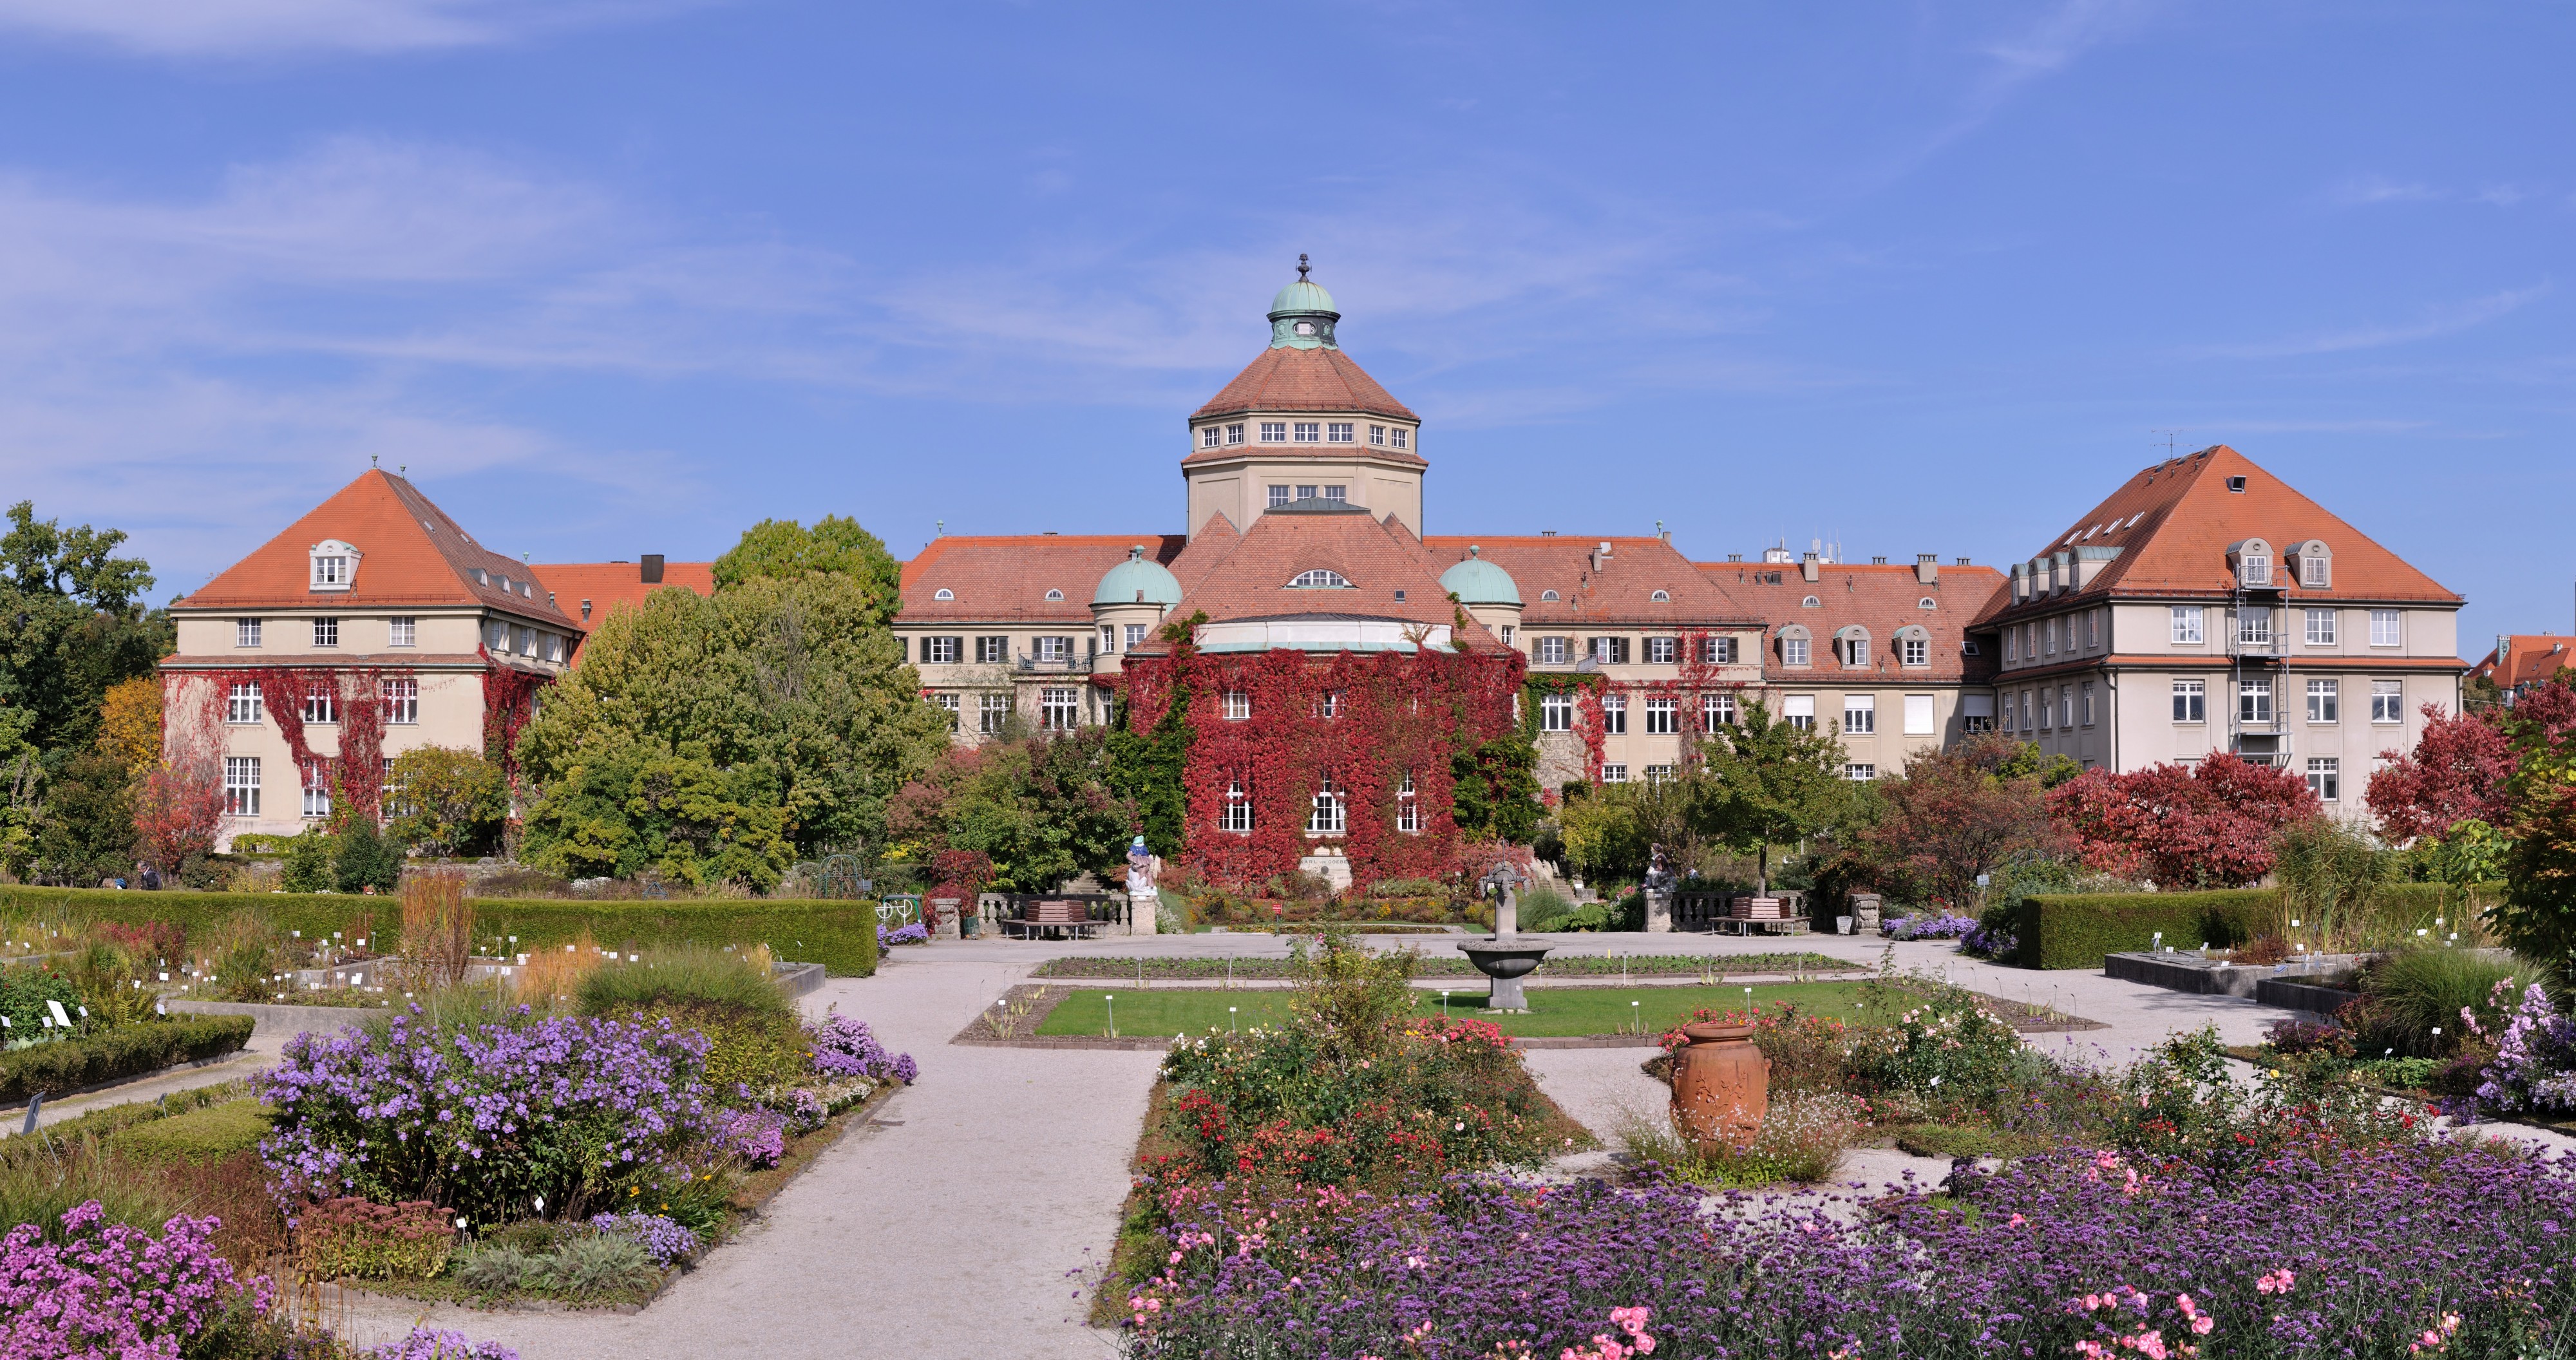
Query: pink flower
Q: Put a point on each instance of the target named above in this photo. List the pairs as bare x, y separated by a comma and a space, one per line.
2017, 1221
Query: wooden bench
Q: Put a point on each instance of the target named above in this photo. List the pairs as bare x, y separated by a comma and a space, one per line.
1055, 917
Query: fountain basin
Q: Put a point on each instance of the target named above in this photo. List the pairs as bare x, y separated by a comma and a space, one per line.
1506, 962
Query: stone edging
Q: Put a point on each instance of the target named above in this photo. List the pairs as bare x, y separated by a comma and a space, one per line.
266, 1016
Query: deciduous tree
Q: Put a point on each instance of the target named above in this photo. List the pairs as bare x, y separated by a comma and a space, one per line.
2209, 825
1963, 812
71, 626
784, 550
2457, 771
447, 802
1769, 783
1040, 810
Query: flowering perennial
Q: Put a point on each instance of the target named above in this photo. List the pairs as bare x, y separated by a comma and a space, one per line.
112, 1290
844, 1047
666, 1240
432, 1343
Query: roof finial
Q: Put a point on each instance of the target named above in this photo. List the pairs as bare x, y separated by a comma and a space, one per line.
371, 459
1301, 266
1473, 550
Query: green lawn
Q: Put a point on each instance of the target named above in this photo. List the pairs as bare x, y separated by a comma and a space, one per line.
1553, 1010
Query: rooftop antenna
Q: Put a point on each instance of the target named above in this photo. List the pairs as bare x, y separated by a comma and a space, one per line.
1301, 266
2169, 441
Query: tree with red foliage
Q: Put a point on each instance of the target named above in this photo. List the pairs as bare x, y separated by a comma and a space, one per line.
178, 810
1961, 812
2457, 771
2208, 825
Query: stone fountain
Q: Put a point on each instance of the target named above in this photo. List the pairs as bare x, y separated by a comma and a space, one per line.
1505, 958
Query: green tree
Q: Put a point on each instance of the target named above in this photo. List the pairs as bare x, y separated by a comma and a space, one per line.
450, 802
1146, 769
1769, 783
1040, 810
788, 690
644, 806
784, 550
1495, 788
307, 866
364, 859
85, 832
71, 626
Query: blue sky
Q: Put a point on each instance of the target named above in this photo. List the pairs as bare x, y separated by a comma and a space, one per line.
622, 276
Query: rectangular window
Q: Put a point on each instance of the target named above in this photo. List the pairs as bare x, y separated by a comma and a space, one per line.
942, 651
2092, 629
1395, 435
2088, 703
241, 703
2258, 570
2325, 777
1329, 704
1662, 651
1326, 818
2186, 625
1236, 816
1305, 493
2325, 701
993, 651
2012, 644
1614, 715
1860, 773
1310, 432
1238, 704
1136, 635
1716, 711
1793, 651
2321, 627
1614, 774
1055, 650
2387, 701
246, 632
1233, 434
2026, 723
1860, 714
241, 786
1377, 435
1108, 639
2047, 711
402, 702
992, 713
2191, 701
1556, 712
1800, 710
2254, 701
317, 791
2066, 705
1610, 651
1337, 432
1659, 774
1662, 717
1278, 496
2386, 629
1274, 432
330, 571
1717, 651
1211, 437
1914, 651
321, 706
952, 705
1059, 710
1408, 807
326, 632
1919, 716
1852, 652
1551, 651
2050, 632
2254, 628
2312, 572
1508, 630
1337, 493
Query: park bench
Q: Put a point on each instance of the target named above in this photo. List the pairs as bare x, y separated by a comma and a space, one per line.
1055, 916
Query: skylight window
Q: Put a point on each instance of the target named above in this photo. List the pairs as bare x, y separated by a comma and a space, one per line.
1320, 578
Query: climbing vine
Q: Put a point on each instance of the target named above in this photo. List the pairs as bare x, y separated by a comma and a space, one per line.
1689, 689
356, 775
509, 700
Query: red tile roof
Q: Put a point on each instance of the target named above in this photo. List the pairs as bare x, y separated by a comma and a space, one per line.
1005, 577
586, 590
1378, 558
1879, 600
410, 553
2173, 523
1603, 591
2530, 659
1290, 379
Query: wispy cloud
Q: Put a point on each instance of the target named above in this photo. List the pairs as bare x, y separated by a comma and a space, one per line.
2448, 319
243, 28
2363, 190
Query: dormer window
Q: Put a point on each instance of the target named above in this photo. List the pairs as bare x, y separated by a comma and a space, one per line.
2252, 558
1927, 602
943, 593
1661, 597
1547, 597
1320, 578
1811, 602
2312, 565
1055, 595
335, 565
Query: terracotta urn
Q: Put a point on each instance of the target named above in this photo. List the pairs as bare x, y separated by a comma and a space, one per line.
1721, 1084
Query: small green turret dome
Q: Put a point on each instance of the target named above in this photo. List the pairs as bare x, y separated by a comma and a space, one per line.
1302, 316
1138, 579
1303, 296
1477, 581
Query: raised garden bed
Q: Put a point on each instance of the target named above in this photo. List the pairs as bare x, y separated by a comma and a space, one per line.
2302, 996
115, 1056
2215, 977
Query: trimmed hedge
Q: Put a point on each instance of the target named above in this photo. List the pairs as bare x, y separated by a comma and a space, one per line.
70, 1064
842, 936
199, 1137
2075, 930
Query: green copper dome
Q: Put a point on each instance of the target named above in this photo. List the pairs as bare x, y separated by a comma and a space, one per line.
1138, 578
1302, 316
1477, 581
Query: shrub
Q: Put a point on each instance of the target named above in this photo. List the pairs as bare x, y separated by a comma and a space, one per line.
2535, 1062
365, 859
603, 1264
1348, 996
1931, 926
437, 930
750, 1025
349, 1237
131, 1050
662, 1239
430, 1343
2077, 930
104, 1288
48, 1178
482, 1117
1803, 1138
843, 1047
25, 989
1806, 1052
2181, 1106
498, 1268
308, 867
197, 1138
2416, 991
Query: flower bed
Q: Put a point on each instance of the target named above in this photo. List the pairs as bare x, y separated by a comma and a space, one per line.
1712, 967
2055, 1255
1938, 925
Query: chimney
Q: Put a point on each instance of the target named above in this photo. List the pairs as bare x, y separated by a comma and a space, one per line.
1927, 567
1808, 567
1601, 554
652, 569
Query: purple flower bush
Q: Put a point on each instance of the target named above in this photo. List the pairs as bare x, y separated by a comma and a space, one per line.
915, 933
844, 1047
667, 1241
2066, 1254
430, 1343
482, 1118
113, 1290
2535, 1062
1932, 926
1989, 942
758, 1138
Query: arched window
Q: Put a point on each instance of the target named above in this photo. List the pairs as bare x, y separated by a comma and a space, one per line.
1661, 597
1547, 596
1851, 648
1320, 578
943, 593
1810, 602
1927, 602
1055, 594
1794, 640
1327, 819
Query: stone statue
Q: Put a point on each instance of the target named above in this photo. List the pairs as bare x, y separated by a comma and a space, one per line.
1143, 899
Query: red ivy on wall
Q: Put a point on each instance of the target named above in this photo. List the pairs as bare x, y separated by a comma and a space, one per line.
357, 773
1365, 720
1696, 680
509, 700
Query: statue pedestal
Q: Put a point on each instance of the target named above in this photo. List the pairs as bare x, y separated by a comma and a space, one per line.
1141, 909
1659, 911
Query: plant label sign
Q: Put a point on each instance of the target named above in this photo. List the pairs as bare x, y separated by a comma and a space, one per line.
60, 1018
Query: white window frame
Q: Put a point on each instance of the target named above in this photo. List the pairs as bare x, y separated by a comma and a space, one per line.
1717, 651
1059, 708
246, 632
2387, 628
1715, 711
1853, 651
326, 632
943, 651
1922, 715
1860, 772
1914, 652
402, 701
1662, 651
1336, 492
2321, 627
1556, 711
1054, 650
1614, 773
1319, 578
2316, 571
2254, 701
1274, 432
2087, 690
2254, 628
1377, 435
1211, 436
242, 707
1279, 492
1329, 813
1234, 435
1799, 711
1408, 807
992, 713
2187, 629
1337, 432
2325, 778
1238, 705
1236, 816
1308, 432
317, 791
1793, 651
241, 786
1397, 435
1614, 715
1136, 635
1551, 651
954, 705
1663, 716
322, 706
2388, 701
2191, 702
2325, 700
1860, 715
